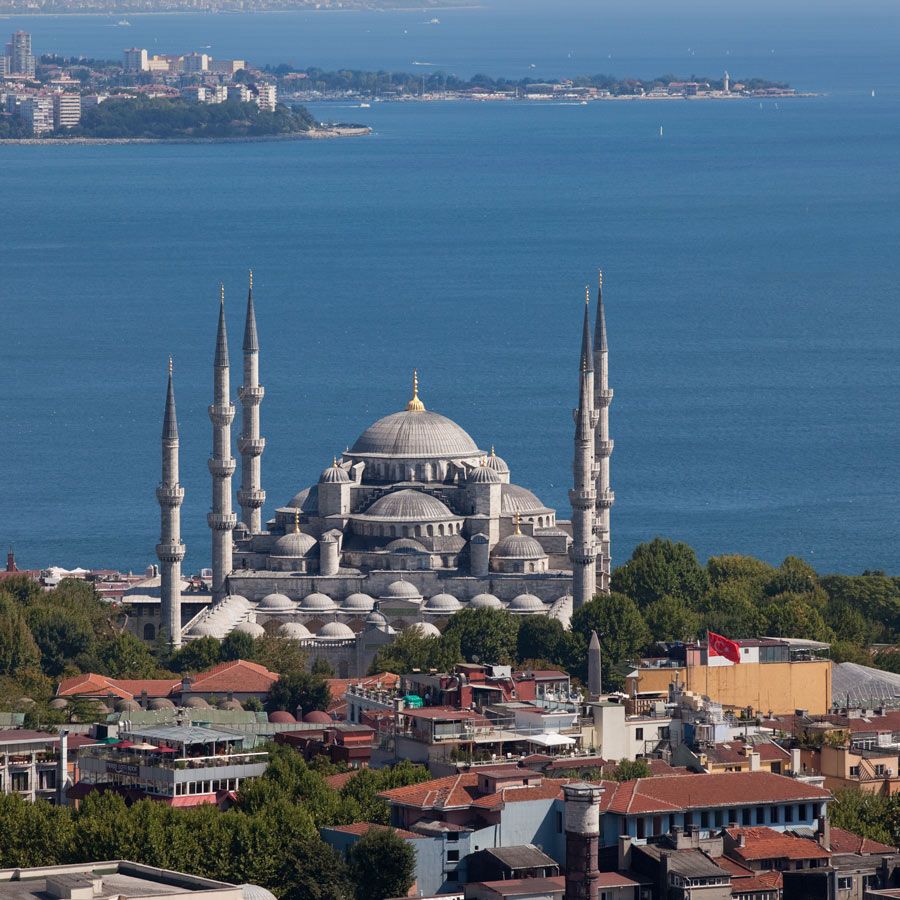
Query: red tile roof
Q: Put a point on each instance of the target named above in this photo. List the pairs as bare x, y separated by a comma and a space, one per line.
766, 843
237, 676
755, 884
361, 828
23, 734
550, 789
512, 887
738, 752
336, 782
93, 685
338, 686
442, 793
843, 841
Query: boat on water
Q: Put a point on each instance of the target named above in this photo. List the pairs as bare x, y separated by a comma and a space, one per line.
365, 105
123, 23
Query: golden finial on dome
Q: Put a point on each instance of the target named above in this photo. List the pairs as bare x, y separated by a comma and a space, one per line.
518, 523
493, 455
334, 464
415, 404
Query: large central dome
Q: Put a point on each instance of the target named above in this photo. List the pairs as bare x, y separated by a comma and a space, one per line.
415, 434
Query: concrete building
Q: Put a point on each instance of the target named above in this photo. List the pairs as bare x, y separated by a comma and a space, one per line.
239, 92
37, 111
18, 52
66, 110
135, 59
195, 62
226, 66
34, 764
266, 97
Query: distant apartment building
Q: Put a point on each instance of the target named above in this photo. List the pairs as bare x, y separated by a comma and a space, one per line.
195, 62
266, 97
216, 93
226, 66
33, 764
4, 66
66, 110
158, 64
197, 93
93, 100
37, 111
239, 92
18, 52
135, 59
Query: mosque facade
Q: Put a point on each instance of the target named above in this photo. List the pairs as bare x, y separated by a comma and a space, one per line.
412, 523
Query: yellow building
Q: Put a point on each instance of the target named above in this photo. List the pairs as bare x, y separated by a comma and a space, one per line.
776, 675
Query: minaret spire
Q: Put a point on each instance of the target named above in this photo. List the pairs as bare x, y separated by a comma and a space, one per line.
582, 495
251, 496
221, 519
603, 446
170, 549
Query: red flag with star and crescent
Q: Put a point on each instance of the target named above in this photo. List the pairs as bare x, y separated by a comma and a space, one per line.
722, 646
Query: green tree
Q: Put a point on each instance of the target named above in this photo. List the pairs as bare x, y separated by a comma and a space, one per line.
670, 619
282, 655
381, 865
658, 569
869, 815
732, 567
62, 636
17, 647
122, 655
793, 576
196, 656
301, 690
237, 645
311, 870
410, 650
488, 635
790, 615
541, 637
846, 651
730, 608
621, 629
887, 661
629, 769
366, 784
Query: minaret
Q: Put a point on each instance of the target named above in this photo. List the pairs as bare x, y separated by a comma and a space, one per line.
603, 446
595, 670
583, 493
221, 464
251, 496
170, 549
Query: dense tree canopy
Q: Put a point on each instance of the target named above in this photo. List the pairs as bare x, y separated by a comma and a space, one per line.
658, 569
485, 635
381, 864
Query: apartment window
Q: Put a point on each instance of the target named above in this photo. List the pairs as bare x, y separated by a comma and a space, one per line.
704, 819
688, 818
454, 835
879, 769
638, 734
20, 781
845, 884
718, 818
746, 816
559, 822
641, 829
760, 815
657, 824
453, 856
789, 813
854, 771
801, 812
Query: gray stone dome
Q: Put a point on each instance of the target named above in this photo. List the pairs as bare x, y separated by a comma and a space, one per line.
204, 628
413, 433
483, 475
444, 603
334, 474
317, 602
402, 590
516, 499
124, 706
485, 601
235, 600
497, 464
58, 703
307, 500
295, 630
406, 545
376, 619
425, 629
255, 892
358, 603
519, 546
254, 629
195, 702
526, 603
229, 704
335, 631
276, 601
294, 544
160, 703
409, 505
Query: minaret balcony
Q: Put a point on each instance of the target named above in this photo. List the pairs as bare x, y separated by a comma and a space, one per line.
604, 448
251, 499
222, 468
170, 494
221, 521
170, 551
604, 396
605, 499
221, 414
251, 396
582, 499
251, 446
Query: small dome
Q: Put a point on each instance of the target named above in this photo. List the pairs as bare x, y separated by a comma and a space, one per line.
255, 892
276, 601
402, 590
526, 603
254, 629
294, 544
519, 546
306, 501
335, 631
58, 703
442, 603
281, 717
161, 703
424, 629
516, 499
483, 474
128, 706
497, 464
204, 628
234, 600
406, 545
230, 704
358, 603
485, 601
409, 505
318, 717
334, 474
317, 602
376, 619
295, 630
195, 702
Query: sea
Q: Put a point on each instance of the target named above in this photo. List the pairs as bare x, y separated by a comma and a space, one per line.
750, 251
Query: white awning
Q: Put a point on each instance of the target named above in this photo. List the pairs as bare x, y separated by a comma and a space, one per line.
550, 739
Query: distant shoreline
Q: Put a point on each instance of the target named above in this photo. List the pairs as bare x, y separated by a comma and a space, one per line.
316, 134
61, 14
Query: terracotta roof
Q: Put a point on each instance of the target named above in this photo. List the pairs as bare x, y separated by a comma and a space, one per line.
361, 828
338, 686
738, 751
551, 789
512, 887
843, 841
766, 843
91, 684
615, 879
238, 676
23, 734
442, 793
336, 782
444, 712
672, 793
757, 883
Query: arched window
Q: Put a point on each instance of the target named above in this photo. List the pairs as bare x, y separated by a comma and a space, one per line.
430, 531
149, 632
392, 531
440, 530
418, 531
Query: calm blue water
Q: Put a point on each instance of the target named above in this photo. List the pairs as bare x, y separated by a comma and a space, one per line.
750, 257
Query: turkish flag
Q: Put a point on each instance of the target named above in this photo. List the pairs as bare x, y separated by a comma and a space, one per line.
721, 646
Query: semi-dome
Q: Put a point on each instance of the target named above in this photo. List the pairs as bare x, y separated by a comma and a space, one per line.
406, 545
276, 601
409, 505
526, 603
376, 619
335, 631
358, 603
485, 601
295, 630
294, 544
334, 474
401, 590
516, 499
442, 603
307, 500
254, 629
519, 546
424, 629
483, 475
317, 602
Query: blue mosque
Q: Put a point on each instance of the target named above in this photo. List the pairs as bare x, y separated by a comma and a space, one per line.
412, 523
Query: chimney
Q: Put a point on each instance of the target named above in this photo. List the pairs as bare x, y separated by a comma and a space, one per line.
11, 561
823, 829
742, 840
663, 873
795, 760
582, 818
753, 756
624, 853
